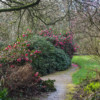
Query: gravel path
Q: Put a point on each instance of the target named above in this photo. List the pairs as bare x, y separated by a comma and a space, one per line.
63, 79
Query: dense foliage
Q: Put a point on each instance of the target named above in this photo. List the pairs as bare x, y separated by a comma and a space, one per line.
30, 48
51, 59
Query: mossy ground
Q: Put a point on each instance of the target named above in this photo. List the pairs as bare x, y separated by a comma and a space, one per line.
71, 90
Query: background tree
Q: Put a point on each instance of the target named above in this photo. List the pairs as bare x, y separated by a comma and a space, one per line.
44, 13
81, 17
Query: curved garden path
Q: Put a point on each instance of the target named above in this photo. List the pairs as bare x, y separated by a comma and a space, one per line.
62, 83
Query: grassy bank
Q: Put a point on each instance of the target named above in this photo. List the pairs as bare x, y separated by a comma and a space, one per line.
86, 64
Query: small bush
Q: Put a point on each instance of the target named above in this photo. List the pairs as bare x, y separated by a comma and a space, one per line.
92, 87
17, 53
22, 80
50, 85
19, 76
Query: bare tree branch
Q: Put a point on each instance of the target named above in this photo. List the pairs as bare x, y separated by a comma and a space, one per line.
20, 7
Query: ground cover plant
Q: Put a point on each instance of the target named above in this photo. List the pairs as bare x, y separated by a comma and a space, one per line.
86, 65
88, 90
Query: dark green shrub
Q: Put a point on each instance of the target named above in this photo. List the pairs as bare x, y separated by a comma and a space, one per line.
63, 60
51, 59
49, 85
38, 42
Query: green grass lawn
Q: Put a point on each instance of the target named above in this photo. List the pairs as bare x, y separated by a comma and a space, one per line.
86, 63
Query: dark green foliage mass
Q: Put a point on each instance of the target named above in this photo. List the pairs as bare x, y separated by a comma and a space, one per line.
51, 59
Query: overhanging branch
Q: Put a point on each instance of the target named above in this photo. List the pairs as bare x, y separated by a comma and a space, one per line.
21, 7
